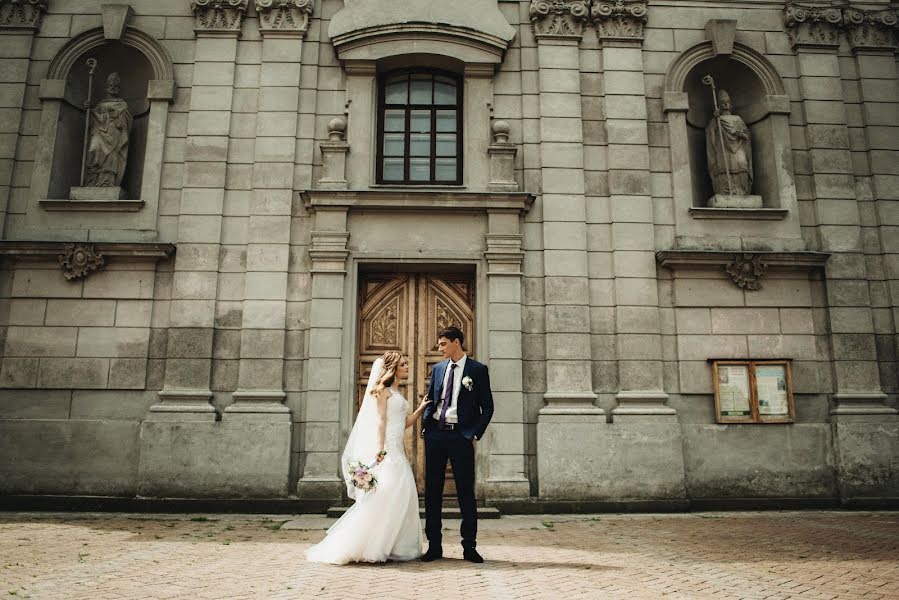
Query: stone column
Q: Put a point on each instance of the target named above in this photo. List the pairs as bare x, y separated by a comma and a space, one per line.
866, 430
814, 33
19, 22
261, 378
873, 39
507, 462
320, 462
570, 413
637, 326
186, 394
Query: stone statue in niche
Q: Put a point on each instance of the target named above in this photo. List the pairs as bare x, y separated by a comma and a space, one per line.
110, 130
107, 133
729, 155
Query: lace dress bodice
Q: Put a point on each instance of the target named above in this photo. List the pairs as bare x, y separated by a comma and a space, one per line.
397, 410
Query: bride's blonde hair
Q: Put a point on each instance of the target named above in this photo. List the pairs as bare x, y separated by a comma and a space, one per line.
392, 360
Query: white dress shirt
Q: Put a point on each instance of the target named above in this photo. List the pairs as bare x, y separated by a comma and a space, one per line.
451, 416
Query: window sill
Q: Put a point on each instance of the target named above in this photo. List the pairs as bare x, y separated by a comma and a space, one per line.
428, 187
92, 205
756, 214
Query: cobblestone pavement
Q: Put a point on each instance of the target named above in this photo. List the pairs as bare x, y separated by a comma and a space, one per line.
704, 555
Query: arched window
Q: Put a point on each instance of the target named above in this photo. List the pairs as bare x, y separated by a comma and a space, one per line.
420, 128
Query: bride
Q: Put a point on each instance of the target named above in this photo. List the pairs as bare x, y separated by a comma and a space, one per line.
383, 524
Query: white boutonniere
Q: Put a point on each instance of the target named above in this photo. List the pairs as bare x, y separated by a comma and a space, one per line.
466, 381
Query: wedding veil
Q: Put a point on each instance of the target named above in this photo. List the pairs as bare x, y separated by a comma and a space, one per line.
362, 445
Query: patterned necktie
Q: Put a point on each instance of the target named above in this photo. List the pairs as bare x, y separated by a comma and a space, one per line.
447, 395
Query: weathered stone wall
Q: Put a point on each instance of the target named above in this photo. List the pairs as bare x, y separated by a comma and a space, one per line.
244, 335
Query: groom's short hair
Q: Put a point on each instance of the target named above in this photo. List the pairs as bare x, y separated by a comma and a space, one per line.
452, 334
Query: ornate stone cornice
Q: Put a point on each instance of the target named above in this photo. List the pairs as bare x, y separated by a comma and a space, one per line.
871, 29
619, 19
22, 14
219, 16
559, 18
813, 26
288, 17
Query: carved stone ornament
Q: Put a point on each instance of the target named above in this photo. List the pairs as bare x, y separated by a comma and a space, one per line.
813, 26
219, 16
79, 260
288, 16
868, 29
619, 19
558, 18
747, 271
22, 14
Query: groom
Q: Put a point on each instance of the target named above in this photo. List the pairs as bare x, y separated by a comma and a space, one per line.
460, 409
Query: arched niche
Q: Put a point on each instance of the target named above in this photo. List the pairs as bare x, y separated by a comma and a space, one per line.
758, 95
147, 77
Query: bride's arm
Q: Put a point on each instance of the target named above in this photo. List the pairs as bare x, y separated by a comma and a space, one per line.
382, 397
415, 415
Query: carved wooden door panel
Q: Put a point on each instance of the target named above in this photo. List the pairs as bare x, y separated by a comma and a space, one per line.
404, 312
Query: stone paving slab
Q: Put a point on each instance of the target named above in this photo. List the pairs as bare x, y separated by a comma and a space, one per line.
773, 555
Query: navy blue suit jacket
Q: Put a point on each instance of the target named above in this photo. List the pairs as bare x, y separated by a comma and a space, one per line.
475, 407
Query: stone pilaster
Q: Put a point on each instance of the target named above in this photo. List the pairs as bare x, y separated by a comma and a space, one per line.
19, 22
506, 437
558, 27
186, 393
814, 32
328, 253
619, 26
874, 37
261, 378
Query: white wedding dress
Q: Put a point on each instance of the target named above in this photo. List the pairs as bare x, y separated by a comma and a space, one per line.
383, 524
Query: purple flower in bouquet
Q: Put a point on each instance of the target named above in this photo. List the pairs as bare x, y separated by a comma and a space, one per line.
361, 476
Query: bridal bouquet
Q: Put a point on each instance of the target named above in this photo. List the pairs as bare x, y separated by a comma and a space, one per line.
360, 475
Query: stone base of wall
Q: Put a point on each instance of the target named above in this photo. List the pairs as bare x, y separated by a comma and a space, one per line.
43, 456
867, 459
215, 459
585, 460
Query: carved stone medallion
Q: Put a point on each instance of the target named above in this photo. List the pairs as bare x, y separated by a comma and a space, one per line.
219, 16
813, 26
79, 260
558, 18
619, 19
747, 271
284, 16
22, 14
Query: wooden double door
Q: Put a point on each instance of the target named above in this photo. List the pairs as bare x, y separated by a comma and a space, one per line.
404, 312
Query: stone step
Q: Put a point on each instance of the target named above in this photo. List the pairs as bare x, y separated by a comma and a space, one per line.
449, 512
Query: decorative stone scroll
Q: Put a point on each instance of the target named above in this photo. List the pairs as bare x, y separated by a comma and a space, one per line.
558, 18
22, 14
813, 26
219, 16
284, 16
871, 30
619, 19
80, 260
747, 271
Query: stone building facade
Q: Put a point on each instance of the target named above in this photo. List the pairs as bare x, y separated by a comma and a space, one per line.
311, 182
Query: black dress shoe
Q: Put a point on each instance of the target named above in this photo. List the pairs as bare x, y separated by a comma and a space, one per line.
471, 555
432, 554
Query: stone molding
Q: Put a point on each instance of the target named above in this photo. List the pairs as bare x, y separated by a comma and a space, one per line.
419, 200
22, 14
284, 17
80, 259
619, 19
219, 16
813, 26
559, 18
871, 30
689, 259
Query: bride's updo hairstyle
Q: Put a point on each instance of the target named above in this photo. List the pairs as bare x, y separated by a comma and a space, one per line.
388, 371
